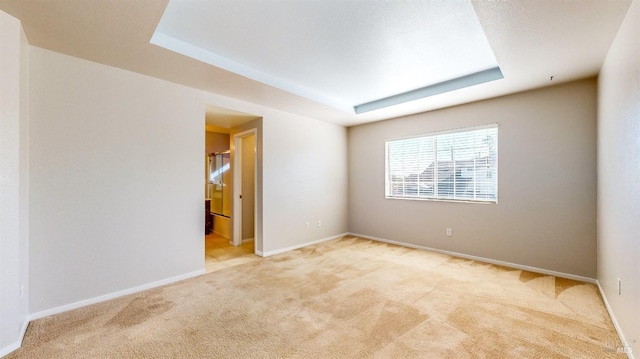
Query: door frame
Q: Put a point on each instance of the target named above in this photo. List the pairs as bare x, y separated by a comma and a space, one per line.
237, 187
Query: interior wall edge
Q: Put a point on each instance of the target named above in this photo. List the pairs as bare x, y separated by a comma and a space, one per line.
18, 343
618, 194
613, 318
14, 183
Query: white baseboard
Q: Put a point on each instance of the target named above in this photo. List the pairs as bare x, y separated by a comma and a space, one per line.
10, 348
297, 246
482, 259
18, 343
23, 332
113, 295
615, 322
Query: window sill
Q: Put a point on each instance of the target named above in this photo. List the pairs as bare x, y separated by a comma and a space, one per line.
442, 200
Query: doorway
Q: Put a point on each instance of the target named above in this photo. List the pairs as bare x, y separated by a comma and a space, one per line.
244, 188
220, 250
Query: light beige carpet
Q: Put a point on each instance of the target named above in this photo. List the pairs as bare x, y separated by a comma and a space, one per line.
348, 298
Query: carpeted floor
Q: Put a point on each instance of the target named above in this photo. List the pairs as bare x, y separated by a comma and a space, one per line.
348, 298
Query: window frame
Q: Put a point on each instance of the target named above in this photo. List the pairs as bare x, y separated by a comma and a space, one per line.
388, 180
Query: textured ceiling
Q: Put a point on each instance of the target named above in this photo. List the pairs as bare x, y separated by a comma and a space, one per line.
339, 53
531, 41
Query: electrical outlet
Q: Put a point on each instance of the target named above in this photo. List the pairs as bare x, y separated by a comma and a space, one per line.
319, 223
619, 286
448, 232
306, 225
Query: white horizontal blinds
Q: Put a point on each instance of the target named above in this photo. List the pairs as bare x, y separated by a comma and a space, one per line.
456, 165
407, 160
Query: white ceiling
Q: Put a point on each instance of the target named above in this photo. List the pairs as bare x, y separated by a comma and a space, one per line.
530, 40
338, 53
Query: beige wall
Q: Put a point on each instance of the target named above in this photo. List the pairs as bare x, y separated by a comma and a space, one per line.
216, 142
619, 177
305, 180
116, 181
546, 211
302, 176
14, 183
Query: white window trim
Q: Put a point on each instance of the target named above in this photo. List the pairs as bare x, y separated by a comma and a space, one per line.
388, 182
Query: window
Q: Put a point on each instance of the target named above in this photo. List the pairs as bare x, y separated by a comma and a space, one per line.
460, 165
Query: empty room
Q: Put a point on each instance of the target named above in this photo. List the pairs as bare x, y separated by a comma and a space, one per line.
379, 179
